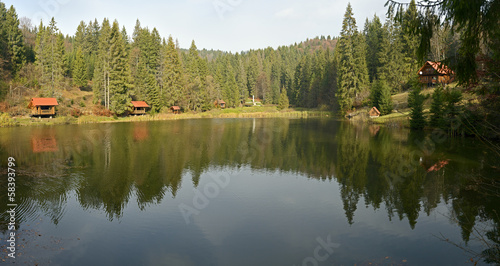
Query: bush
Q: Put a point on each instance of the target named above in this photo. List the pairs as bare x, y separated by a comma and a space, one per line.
76, 112
99, 110
6, 120
82, 104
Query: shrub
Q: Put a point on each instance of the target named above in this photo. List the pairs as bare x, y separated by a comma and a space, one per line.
6, 120
76, 112
99, 110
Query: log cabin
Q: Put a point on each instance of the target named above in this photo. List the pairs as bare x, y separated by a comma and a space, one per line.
139, 107
175, 109
43, 106
432, 73
374, 112
220, 104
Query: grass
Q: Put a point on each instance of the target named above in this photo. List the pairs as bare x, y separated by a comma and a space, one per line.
240, 112
395, 119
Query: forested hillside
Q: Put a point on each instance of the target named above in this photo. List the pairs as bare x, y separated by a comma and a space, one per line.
336, 73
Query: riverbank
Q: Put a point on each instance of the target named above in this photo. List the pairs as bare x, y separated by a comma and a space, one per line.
242, 112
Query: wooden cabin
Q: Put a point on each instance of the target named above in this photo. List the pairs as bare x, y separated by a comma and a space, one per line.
139, 107
374, 112
175, 109
433, 73
43, 106
220, 104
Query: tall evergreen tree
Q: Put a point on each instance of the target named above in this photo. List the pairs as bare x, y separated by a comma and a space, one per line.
119, 74
173, 77
351, 60
416, 103
15, 41
79, 70
374, 35
103, 66
283, 101
437, 109
50, 56
154, 99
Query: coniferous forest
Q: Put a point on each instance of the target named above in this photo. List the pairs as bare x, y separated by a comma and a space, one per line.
363, 66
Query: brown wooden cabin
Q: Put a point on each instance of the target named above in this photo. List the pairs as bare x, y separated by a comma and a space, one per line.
433, 73
220, 104
374, 112
139, 107
175, 109
43, 106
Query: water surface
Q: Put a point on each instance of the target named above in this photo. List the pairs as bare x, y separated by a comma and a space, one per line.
245, 192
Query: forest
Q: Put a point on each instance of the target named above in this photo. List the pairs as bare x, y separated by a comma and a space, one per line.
328, 72
359, 67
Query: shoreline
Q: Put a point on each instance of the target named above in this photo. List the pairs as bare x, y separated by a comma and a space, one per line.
7, 121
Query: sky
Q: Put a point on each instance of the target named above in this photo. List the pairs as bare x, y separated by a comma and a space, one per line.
228, 25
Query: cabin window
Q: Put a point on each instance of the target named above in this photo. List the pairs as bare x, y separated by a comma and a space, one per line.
46, 107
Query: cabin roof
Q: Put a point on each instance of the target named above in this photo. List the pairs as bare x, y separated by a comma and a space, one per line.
439, 67
175, 108
374, 109
43, 102
139, 104
221, 102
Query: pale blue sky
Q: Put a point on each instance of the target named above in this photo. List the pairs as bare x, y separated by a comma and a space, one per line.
229, 25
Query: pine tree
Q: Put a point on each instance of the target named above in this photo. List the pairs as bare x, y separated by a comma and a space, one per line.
50, 56
119, 74
102, 66
173, 77
437, 109
385, 100
15, 41
230, 90
242, 81
153, 98
79, 70
351, 60
283, 102
374, 36
416, 103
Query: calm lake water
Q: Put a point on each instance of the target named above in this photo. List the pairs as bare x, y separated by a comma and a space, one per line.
245, 192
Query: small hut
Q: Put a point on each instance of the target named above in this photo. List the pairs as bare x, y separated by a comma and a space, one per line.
175, 109
139, 107
374, 112
432, 73
220, 104
43, 106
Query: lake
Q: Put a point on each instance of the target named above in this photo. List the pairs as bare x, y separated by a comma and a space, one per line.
246, 192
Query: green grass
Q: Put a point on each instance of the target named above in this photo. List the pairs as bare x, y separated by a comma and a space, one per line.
401, 119
240, 112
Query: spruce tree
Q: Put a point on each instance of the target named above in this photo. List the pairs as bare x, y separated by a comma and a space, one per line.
79, 70
416, 103
153, 98
283, 102
385, 100
374, 36
437, 109
15, 42
119, 74
103, 66
173, 77
351, 60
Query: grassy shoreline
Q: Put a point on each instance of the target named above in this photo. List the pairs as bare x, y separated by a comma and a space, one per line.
244, 112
